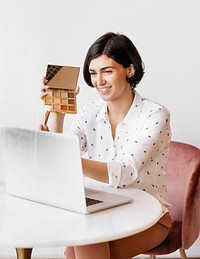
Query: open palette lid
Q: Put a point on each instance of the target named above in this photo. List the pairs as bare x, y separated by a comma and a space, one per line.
62, 77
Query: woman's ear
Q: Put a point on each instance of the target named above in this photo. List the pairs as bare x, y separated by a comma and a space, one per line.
130, 71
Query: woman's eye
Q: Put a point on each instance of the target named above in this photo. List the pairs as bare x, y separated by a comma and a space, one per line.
92, 73
108, 71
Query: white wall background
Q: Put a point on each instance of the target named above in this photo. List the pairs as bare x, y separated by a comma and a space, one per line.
166, 33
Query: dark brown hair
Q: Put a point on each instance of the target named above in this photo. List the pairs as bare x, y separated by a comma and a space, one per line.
121, 49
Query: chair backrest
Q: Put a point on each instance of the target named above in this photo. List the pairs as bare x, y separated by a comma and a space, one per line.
183, 177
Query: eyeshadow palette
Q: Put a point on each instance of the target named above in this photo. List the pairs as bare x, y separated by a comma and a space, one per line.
62, 81
61, 100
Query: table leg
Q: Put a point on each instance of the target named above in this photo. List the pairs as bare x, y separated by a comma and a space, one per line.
24, 253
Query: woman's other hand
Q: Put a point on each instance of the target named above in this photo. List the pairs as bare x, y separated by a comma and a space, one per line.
43, 127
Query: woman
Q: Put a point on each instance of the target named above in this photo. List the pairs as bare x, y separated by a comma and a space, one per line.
126, 136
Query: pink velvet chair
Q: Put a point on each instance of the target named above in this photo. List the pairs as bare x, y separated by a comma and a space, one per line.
183, 176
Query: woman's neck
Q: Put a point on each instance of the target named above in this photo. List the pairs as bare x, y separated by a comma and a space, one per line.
117, 111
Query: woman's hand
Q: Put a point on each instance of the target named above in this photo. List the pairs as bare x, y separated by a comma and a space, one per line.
77, 89
43, 127
43, 90
45, 87
57, 119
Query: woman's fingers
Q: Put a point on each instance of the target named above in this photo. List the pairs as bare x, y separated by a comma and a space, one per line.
44, 81
43, 127
43, 90
45, 87
77, 89
42, 94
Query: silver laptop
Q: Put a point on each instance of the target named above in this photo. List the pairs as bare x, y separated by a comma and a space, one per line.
46, 167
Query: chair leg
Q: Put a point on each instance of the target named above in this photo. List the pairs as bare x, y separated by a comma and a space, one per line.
182, 253
152, 257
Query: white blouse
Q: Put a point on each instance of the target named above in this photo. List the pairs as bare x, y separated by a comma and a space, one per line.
138, 154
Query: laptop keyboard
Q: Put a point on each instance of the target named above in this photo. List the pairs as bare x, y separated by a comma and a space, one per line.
90, 201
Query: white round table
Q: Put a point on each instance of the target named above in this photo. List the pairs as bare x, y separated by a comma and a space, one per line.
25, 224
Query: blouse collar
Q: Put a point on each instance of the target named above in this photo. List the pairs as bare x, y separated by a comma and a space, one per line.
132, 114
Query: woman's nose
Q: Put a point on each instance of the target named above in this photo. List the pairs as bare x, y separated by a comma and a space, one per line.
100, 80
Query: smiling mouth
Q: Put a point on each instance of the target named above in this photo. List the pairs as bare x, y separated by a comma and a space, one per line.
104, 90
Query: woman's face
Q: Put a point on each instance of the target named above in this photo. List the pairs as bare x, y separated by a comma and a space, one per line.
109, 78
